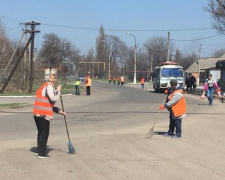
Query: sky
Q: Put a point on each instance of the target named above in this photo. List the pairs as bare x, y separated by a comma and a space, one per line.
79, 21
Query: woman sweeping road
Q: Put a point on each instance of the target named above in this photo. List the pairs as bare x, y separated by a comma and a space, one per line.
46, 96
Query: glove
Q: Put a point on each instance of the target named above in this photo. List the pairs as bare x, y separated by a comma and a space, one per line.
161, 107
202, 97
166, 91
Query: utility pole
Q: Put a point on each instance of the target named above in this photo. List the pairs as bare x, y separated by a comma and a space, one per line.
168, 47
200, 50
32, 31
31, 40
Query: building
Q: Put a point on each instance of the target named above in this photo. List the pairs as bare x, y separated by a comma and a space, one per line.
206, 66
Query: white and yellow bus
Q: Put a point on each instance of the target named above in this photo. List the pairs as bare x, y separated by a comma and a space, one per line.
163, 74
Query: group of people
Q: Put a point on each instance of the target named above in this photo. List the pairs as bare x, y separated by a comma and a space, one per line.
87, 85
47, 95
190, 83
120, 80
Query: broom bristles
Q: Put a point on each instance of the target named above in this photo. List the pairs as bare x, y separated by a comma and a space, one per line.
71, 148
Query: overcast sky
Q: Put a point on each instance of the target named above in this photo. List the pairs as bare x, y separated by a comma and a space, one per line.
79, 21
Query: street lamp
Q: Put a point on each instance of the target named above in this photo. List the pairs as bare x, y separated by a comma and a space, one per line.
109, 55
135, 55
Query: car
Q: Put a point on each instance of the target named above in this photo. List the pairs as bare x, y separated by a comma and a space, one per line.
80, 77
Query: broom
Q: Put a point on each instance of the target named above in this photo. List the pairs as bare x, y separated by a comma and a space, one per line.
150, 133
70, 145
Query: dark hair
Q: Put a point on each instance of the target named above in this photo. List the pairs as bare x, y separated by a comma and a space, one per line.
173, 82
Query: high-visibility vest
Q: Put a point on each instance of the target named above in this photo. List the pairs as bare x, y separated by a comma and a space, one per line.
77, 83
180, 107
88, 82
142, 80
109, 78
114, 78
122, 79
42, 105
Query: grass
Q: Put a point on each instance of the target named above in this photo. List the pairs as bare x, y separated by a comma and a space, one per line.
11, 104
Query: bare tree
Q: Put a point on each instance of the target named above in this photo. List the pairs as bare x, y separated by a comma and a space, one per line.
6, 49
218, 53
50, 51
185, 61
157, 49
217, 10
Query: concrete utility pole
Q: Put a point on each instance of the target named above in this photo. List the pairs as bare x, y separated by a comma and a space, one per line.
168, 47
135, 55
32, 31
200, 50
31, 40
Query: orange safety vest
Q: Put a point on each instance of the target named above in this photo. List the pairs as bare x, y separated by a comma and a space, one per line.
114, 78
122, 79
88, 82
180, 107
142, 80
42, 105
109, 78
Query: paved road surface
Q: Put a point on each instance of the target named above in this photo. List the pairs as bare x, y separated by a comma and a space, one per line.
108, 131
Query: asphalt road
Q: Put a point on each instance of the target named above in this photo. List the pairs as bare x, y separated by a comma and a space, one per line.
108, 131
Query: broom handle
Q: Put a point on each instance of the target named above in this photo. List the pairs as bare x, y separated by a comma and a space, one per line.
65, 119
160, 110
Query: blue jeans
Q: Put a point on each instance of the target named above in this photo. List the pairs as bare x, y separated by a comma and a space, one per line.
210, 93
175, 123
77, 90
142, 86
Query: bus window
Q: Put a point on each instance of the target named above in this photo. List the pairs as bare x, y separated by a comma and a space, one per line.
172, 72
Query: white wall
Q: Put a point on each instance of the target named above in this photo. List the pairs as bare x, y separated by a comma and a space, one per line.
215, 74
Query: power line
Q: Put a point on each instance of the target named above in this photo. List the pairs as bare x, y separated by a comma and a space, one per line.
199, 39
123, 30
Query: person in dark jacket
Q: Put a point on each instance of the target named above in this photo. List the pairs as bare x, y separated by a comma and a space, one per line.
192, 82
188, 83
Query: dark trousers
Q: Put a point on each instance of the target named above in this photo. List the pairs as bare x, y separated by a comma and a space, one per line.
114, 82
109, 81
88, 90
192, 87
175, 123
77, 90
43, 126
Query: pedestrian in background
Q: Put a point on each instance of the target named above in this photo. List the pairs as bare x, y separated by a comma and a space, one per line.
176, 105
77, 87
118, 80
109, 79
192, 82
210, 85
46, 96
88, 85
122, 80
142, 82
188, 83
114, 80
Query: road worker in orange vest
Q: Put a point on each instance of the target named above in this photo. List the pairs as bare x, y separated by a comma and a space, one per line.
122, 80
114, 80
142, 82
118, 80
88, 85
176, 104
46, 96
110, 79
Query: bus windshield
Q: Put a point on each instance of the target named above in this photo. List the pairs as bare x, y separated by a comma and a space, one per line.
172, 72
